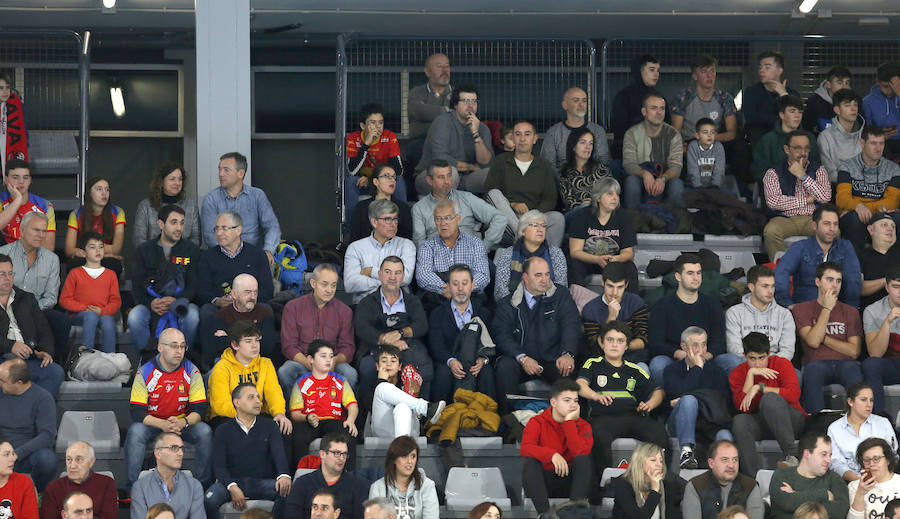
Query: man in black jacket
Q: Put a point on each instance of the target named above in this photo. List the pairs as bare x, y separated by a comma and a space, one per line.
391, 316
29, 337
537, 329
330, 475
627, 104
162, 273
459, 341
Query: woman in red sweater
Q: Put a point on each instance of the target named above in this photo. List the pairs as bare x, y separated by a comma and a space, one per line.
18, 497
91, 293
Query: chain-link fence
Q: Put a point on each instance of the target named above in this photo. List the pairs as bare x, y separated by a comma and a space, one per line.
49, 70
807, 60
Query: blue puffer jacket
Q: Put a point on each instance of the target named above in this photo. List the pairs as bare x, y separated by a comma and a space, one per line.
880, 110
801, 260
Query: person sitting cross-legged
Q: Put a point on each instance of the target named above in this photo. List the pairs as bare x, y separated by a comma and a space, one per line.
621, 396
395, 411
690, 382
766, 392
556, 446
249, 461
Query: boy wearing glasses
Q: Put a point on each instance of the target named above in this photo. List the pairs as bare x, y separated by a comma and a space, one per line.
333, 451
367, 147
321, 401
168, 396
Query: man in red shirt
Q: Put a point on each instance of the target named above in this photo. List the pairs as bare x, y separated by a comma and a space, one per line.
767, 394
556, 445
369, 146
831, 334
322, 402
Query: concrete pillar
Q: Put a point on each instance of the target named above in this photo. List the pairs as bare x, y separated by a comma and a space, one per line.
223, 86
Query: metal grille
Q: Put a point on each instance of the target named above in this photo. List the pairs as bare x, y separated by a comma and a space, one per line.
44, 70
861, 57
515, 78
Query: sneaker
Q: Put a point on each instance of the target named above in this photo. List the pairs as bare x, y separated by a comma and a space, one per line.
688, 460
434, 411
788, 461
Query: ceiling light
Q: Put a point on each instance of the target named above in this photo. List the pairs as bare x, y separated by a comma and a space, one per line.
117, 97
109, 4
108, 7
805, 6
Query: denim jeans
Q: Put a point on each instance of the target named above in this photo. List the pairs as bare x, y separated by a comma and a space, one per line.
140, 435
683, 422
41, 464
659, 363
290, 371
89, 321
139, 325
50, 377
879, 371
818, 373
634, 193
253, 488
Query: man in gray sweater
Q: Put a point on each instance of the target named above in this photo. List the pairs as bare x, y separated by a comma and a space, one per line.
426, 102
462, 140
652, 156
554, 151
29, 422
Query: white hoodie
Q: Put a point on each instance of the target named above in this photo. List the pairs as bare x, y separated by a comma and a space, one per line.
837, 145
776, 322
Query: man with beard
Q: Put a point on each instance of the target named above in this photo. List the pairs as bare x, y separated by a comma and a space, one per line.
426, 102
553, 150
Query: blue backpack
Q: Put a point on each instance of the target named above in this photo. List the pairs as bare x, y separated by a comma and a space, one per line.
290, 263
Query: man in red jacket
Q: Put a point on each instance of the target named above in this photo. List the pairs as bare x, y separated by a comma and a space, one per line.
556, 446
767, 396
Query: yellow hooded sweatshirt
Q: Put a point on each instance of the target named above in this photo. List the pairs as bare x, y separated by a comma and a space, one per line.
228, 373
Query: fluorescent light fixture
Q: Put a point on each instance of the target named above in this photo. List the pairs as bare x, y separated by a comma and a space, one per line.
813, 35
805, 6
118, 100
110, 4
739, 100
87, 43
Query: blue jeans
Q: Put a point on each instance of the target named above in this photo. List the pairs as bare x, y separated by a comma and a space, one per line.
41, 464
634, 193
879, 372
89, 320
818, 373
253, 488
730, 361
139, 325
50, 377
140, 435
352, 193
290, 371
683, 422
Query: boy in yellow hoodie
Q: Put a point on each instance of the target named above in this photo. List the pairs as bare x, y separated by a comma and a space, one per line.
242, 363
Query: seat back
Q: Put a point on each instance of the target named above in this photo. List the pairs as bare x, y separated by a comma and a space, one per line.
99, 428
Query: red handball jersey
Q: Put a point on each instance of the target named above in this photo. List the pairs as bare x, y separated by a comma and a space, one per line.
326, 398
381, 151
167, 394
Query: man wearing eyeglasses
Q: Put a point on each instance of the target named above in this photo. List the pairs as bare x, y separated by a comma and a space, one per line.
363, 257
80, 478
168, 483
461, 139
449, 247
168, 396
221, 263
333, 452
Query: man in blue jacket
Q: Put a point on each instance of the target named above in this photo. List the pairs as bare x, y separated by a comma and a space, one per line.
802, 258
537, 329
882, 106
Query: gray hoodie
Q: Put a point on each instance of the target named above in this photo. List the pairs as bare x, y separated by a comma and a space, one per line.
415, 503
776, 322
837, 145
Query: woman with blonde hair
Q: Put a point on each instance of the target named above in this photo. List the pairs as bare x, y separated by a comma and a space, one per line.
734, 512
640, 491
811, 510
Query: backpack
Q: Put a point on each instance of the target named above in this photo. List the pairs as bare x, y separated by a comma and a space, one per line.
290, 263
88, 365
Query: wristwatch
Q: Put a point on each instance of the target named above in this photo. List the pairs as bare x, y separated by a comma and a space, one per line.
762, 387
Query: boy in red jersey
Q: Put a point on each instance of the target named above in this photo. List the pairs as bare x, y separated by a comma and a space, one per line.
322, 402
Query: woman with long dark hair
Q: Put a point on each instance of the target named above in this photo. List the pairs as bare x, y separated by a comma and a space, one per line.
857, 424
578, 174
98, 214
412, 493
167, 186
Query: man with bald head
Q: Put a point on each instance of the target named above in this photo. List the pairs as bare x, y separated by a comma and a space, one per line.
427, 102
79, 479
244, 306
29, 422
78, 505
575, 103
168, 396
537, 331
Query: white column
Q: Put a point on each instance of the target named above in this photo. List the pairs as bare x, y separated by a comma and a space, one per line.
223, 86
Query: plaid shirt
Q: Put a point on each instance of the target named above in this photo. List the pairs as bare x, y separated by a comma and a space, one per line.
796, 205
434, 256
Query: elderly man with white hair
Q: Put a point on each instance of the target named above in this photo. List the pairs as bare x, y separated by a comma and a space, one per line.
379, 508
79, 477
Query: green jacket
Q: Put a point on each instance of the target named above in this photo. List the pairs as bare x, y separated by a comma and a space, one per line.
536, 188
768, 152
